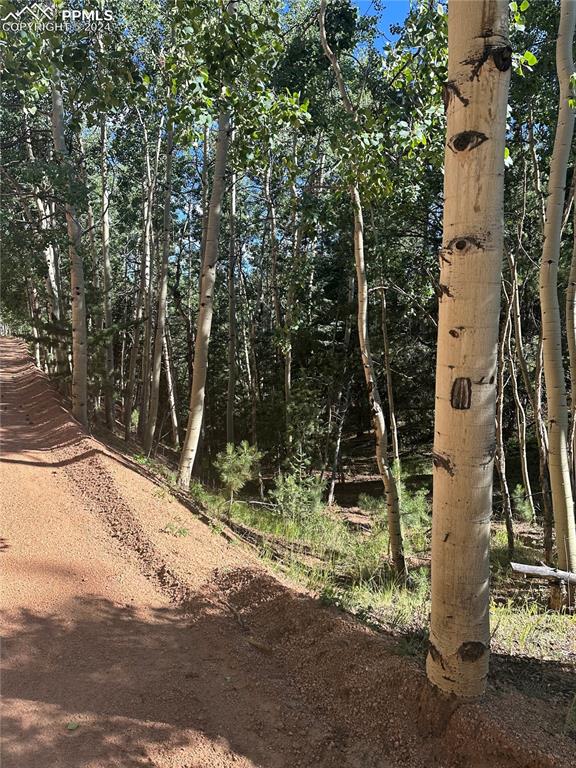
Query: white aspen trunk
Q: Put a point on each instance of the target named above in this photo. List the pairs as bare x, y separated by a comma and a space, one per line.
34, 317
133, 362
205, 163
560, 476
78, 297
387, 368
125, 315
149, 248
171, 390
249, 341
390, 388
107, 270
516, 328
147, 313
96, 319
571, 337
150, 424
521, 428
536, 170
273, 248
534, 395
548, 513
52, 280
500, 457
204, 322
476, 93
388, 479
231, 316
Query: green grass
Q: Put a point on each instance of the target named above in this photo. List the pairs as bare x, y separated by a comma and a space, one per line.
319, 531
350, 569
156, 467
528, 629
175, 528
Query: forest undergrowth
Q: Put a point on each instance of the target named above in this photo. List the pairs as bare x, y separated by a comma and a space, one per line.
341, 554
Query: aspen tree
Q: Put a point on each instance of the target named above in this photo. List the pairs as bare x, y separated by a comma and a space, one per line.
32, 295
571, 337
204, 322
500, 456
150, 426
388, 479
78, 298
107, 270
479, 61
170, 384
231, 316
560, 480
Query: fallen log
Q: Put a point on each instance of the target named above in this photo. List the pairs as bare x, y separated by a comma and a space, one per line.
544, 572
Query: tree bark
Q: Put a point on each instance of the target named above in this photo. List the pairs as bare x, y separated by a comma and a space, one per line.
52, 280
548, 521
170, 383
500, 457
560, 476
231, 316
204, 322
390, 388
150, 425
479, 61
571, 337
521, 428
146, 287
78, 297
32, 295
148, 264
534, 395
133, 362
107, 270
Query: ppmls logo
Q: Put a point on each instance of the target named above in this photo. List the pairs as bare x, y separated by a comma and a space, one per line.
45, 17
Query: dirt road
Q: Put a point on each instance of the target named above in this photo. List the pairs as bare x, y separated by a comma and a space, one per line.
128, 646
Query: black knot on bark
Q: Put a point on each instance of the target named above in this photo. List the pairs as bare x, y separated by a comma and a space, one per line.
443, 462
463, 242
502, 57
467, 140
436, 655
471, 651
461, 395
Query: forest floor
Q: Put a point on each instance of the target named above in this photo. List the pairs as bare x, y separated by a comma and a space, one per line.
128, 646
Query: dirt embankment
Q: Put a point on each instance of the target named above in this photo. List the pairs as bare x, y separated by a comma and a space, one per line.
128, 646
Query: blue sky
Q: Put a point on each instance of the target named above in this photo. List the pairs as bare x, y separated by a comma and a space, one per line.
394, 12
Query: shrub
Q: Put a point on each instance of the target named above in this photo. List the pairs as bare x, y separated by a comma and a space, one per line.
298, 497
520, 504
236, 465
414, 507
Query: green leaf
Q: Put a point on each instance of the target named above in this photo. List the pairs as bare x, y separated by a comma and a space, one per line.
529, 58
525, 5
72, 726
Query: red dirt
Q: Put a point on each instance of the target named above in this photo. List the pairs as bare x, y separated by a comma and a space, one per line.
183, 652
